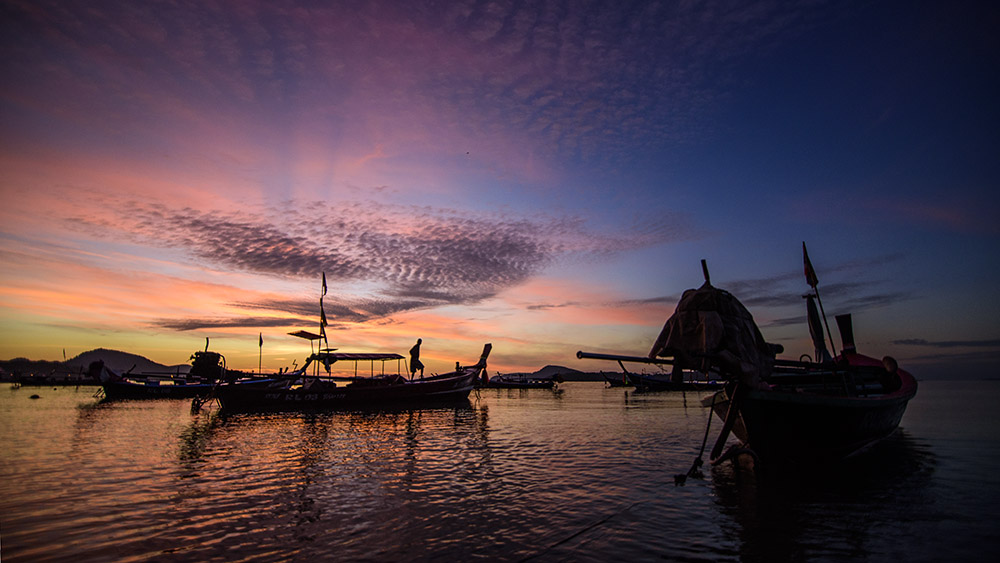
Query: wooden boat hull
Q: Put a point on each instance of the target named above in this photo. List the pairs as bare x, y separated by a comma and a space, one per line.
115, 390
805, 427
269, 395
206, 368
815, 427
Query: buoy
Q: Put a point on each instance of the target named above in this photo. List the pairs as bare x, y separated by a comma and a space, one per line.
34, 397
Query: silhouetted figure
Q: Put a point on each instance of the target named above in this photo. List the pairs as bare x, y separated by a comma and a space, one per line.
415, 363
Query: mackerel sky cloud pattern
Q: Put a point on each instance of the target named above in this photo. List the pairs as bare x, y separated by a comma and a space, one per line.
418, 257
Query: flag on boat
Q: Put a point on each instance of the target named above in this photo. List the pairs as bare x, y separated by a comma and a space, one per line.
260, 344
811, 278
322, 315
322, 322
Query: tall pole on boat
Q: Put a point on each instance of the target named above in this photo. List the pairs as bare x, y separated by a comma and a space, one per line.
322, 314
813, 282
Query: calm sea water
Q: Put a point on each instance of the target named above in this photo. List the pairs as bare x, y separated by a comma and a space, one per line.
584, 473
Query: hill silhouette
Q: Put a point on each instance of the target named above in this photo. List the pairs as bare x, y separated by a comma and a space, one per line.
114, 359
121, 361
550, 370
568, 374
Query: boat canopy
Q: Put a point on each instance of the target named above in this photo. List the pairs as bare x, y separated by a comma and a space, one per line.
306, 334
328, 357
337, 356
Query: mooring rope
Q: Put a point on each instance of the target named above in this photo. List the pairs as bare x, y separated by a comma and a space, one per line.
678, 480
578, 533
681, 478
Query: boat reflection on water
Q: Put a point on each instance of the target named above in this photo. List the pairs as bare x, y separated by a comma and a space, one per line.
195, 438
315, 478
846, 511
320, 431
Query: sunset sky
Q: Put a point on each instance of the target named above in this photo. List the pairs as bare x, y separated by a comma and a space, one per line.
545, 176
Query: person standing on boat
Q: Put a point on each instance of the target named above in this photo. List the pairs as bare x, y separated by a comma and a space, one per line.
415, 363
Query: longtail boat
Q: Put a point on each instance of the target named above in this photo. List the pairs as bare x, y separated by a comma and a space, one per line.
300, 390
677, 381
207, 369
518, 381
803, 411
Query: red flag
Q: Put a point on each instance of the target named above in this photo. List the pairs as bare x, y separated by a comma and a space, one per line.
811, 278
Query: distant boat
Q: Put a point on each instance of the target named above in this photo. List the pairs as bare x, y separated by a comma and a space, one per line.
298, 390
802, 411
616, 380
207, 369
50, 379
685, 381
519, 381
665, 382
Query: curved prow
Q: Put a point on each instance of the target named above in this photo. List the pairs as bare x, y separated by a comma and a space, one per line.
486, 353
102, 373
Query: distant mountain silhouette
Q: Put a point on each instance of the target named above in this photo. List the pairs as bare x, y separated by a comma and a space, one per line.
550, 370
567, 374
76, 368
122, 361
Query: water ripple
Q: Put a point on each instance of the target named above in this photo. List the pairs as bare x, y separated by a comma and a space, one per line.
582, 475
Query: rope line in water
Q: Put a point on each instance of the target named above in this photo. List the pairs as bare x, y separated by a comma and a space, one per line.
587, 529
695, 470
678, 480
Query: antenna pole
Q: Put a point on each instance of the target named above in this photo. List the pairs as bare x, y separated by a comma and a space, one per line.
825, 322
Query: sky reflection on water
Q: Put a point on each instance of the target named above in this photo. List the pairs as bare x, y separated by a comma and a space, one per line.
585, 474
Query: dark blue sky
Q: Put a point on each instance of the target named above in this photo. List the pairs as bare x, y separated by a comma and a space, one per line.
543, 175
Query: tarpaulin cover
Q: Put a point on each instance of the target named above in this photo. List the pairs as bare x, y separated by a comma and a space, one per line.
710, 327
